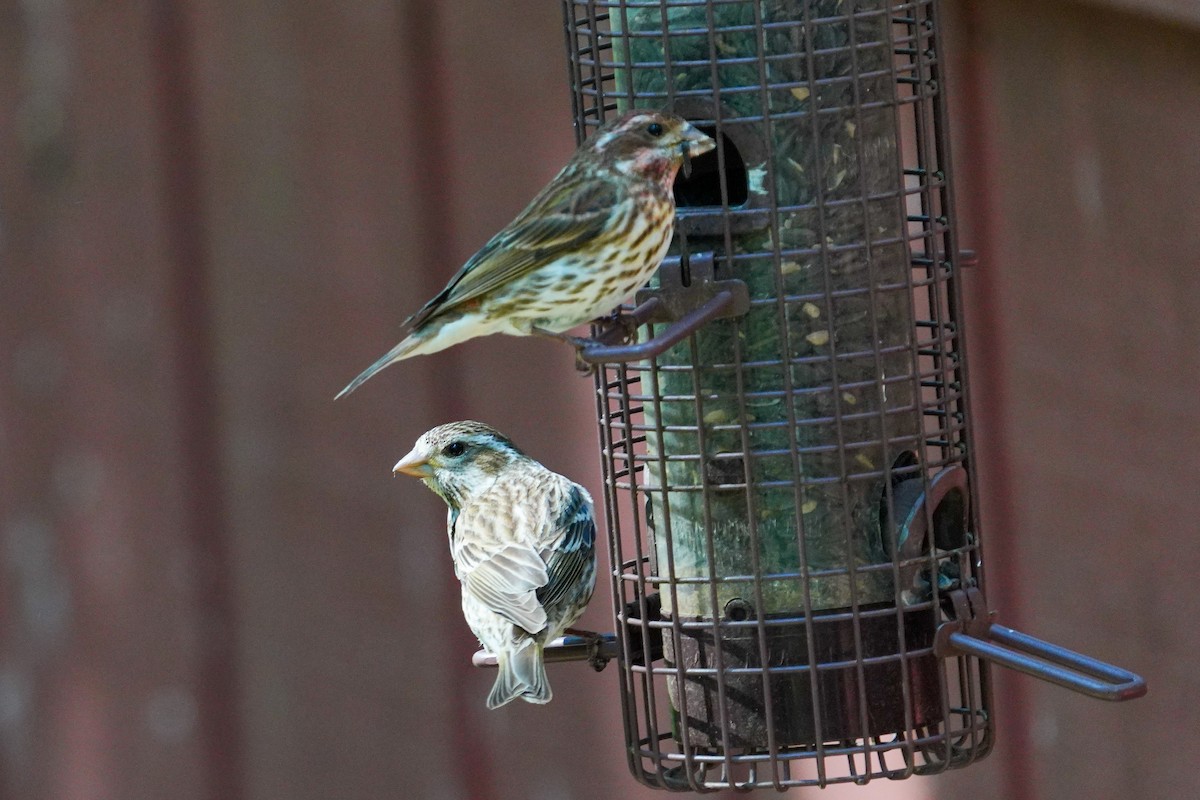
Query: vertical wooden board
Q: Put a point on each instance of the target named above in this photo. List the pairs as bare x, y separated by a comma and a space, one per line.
100, 632
1107, 395
970, 48
344, 612
1095, 270
1183, 12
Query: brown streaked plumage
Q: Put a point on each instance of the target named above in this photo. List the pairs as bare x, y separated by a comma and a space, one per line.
523, 543
587, 241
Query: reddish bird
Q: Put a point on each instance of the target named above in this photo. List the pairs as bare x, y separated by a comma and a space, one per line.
593, 236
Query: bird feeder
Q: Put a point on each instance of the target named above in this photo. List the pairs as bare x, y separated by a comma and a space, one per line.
797, 563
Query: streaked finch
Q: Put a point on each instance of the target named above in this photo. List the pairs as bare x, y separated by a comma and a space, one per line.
523, 541
594, 235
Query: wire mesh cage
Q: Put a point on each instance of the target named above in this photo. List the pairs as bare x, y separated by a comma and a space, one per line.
787, 448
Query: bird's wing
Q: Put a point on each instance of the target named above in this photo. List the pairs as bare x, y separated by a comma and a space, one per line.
571, 556
572, 210
506, 580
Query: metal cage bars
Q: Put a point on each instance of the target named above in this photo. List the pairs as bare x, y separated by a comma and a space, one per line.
920, 734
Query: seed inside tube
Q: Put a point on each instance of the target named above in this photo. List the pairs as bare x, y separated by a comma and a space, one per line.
716, 417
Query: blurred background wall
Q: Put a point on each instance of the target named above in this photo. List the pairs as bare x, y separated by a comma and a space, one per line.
213, 215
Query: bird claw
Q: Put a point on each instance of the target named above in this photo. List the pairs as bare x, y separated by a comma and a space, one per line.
581, 366
595, 658
619, 319
619, 327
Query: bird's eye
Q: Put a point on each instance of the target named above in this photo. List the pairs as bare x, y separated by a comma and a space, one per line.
654, 129
454, 449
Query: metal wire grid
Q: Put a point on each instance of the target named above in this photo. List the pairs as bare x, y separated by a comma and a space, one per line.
660, 712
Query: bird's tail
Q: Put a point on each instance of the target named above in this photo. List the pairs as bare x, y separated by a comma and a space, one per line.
400, 351
522, 674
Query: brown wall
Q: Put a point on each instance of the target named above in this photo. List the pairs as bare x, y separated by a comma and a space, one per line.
213, 215
1080, 163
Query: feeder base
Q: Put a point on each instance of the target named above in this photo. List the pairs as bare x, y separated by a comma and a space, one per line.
796, 721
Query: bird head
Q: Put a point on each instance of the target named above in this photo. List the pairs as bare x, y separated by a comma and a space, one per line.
458, 459
649, 144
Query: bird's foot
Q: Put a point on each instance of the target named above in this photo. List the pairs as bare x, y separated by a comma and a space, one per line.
618, 319
582, 366
594, 640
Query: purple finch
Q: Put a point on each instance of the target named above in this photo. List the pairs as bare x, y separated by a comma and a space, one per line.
594, 235
523, 540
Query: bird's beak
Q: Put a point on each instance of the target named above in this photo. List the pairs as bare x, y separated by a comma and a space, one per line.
695, 142
414, 464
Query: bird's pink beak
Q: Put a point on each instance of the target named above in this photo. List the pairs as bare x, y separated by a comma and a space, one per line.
413, 464
696, 142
